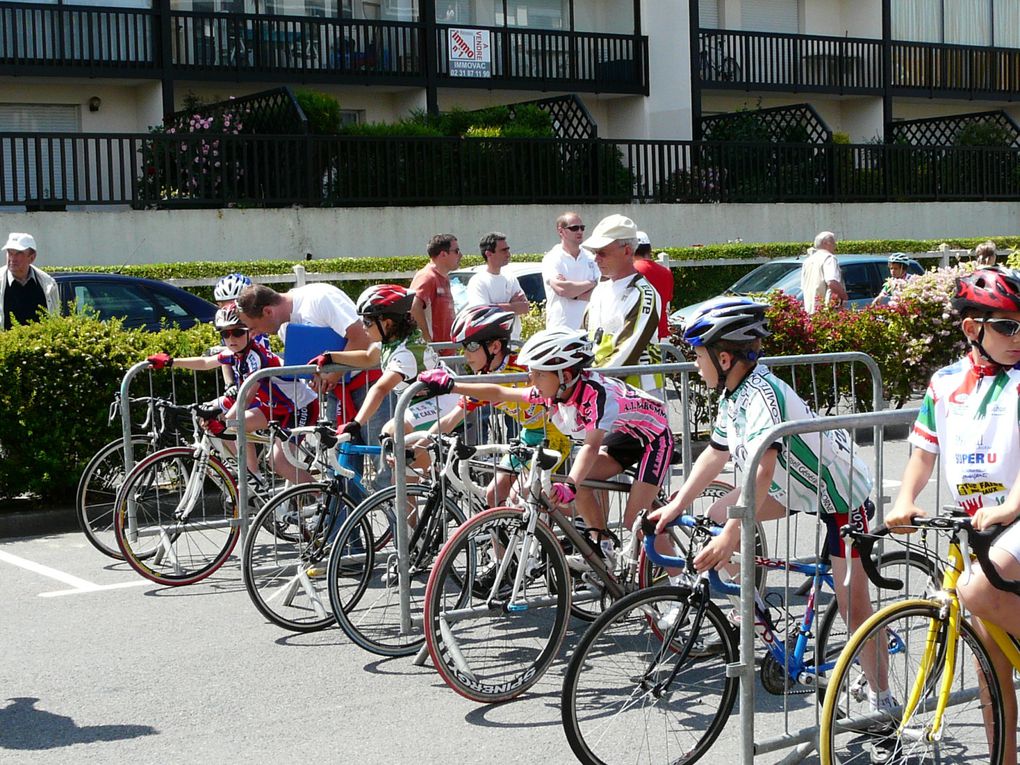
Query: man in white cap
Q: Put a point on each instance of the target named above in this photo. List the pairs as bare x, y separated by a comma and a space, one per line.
623, 314
660, 277
24, 289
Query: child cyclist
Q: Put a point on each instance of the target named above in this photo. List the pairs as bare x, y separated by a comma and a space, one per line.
970, 415
620, 425
398, 348
290, 402
483, 331
810, 473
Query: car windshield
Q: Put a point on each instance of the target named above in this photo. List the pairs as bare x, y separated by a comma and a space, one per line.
764, 278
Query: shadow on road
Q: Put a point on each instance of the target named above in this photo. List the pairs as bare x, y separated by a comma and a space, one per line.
25, 727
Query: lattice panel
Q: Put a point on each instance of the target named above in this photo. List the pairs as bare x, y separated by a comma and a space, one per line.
797, 123
944, 131
269, 112
570, 117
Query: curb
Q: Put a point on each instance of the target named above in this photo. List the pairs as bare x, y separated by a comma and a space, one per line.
31, 523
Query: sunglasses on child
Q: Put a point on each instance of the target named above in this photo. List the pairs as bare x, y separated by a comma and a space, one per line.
1004, 327
238, 332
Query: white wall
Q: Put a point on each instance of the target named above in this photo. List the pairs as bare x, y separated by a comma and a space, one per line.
120, 110
113, 238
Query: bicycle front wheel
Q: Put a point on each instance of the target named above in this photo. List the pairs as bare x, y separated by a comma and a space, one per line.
286, 551
496, 605
914, 634
177, 522
97, 490
362, 574
645, 680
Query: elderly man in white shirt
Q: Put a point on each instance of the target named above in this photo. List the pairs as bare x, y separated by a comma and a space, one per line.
821, 281
24, 289
569, 274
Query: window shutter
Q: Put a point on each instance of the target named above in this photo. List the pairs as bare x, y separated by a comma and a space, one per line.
19, 157
771, 16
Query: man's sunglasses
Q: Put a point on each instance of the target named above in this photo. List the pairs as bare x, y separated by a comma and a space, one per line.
471, 345
575, 227
1005, 327
240, 332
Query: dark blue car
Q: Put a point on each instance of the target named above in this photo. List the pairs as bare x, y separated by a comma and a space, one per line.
141, 303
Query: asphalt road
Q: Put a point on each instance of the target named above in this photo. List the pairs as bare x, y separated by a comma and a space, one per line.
102, 667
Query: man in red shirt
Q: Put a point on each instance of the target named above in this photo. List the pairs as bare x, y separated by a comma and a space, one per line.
660, 277
433, 302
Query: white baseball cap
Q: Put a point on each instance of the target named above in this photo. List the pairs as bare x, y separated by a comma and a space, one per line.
642, 239
609, 230
20, 242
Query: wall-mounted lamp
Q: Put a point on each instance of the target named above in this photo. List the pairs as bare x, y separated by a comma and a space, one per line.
94, 103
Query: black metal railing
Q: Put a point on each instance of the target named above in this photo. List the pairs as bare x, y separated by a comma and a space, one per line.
614, 62
965, 70
213, 170
36, 36
763, 60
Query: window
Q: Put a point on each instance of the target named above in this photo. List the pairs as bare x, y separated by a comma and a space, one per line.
351, 117
22, 178
708, 14
117, 300
957, 22
781, 16
171, 308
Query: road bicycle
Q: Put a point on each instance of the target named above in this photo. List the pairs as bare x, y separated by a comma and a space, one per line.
283, 561
104, 474
500, 592
648, 682
362, 572
176, 516
946, 702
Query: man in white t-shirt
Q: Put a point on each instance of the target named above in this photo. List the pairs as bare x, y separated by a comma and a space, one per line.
821, 281
490, 287
569, 274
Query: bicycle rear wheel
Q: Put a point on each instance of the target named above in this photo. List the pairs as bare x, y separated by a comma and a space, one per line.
364, 591
914, 633
97, 490
640, 683
484, 646
286, 551
176, 523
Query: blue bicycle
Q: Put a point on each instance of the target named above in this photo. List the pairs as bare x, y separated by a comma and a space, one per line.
648, 681
288, 543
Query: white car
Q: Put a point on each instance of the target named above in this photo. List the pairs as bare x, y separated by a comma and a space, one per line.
528, 274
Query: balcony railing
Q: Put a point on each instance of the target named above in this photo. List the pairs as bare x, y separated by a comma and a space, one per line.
765, 61
36, 37
207, 170
568, 59
962, 70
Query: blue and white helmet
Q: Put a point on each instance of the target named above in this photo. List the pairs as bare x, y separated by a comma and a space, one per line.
230, 287
734, 319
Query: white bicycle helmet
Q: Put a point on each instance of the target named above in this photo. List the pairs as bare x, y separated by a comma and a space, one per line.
227, 317
899, 257
552, 350
230, 287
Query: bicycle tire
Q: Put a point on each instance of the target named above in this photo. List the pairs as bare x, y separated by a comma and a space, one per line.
95, 499
609, 704
285, 555
183, 551
507, 648
362, 574
906, 627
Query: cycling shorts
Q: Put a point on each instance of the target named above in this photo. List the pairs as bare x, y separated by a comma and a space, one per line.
651, 462
835, 545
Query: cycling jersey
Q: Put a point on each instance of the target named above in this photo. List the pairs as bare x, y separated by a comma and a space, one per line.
532, 416
623, 323
970, 416
605, 403
275, 396
407, 358
814, 472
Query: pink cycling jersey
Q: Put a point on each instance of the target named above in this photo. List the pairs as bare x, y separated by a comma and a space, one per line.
607, 403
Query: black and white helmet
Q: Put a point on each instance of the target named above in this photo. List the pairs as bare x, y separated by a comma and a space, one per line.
899, 257
227, 317
734, 319
552, 350
230, 287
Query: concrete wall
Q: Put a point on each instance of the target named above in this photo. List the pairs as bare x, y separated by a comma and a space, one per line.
111, 238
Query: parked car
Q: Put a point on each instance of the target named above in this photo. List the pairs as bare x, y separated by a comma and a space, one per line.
141, 303
528, 274
863, 276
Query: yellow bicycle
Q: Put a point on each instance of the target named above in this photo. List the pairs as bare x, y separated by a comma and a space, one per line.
946, 704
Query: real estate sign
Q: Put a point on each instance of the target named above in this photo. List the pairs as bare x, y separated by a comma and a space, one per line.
470, 53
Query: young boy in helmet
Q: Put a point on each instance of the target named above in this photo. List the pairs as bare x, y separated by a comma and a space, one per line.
899, 274
726, 335
619, 425
971, 417
226, 292
397, 347
484, 333
290, 402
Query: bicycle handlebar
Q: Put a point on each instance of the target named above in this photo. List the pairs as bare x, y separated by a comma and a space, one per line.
667, 561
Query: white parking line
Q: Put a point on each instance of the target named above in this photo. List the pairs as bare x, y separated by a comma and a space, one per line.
78, 584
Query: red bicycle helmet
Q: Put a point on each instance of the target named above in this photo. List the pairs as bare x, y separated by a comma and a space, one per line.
988, 289
482, 322
385, 300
